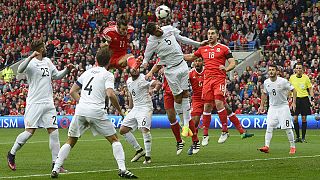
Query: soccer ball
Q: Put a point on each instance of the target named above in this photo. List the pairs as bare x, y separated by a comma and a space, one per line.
162, 12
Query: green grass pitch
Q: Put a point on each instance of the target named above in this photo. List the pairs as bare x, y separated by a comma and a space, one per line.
236, 159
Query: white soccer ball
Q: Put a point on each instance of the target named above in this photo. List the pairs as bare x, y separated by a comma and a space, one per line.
163, 12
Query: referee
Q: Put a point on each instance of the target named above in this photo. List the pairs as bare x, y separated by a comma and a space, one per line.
302, 84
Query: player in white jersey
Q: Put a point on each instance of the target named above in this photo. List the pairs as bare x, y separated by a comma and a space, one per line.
140, 115
95, 84
40, 110
164, 42
277, 89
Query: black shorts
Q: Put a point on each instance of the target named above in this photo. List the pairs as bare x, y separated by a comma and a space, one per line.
303, 106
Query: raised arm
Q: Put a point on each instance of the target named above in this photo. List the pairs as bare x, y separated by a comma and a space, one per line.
151, 46
23, 66
187, 41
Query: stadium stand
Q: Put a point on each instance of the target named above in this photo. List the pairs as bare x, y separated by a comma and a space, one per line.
286, 32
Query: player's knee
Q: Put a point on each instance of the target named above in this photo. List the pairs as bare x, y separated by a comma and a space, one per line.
207, 108
123, 130
229, 110
145, 130
72, 141
31, 131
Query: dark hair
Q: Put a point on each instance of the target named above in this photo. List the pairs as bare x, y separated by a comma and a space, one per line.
213, 29
273, 65
151, 27
122, 20
103, 56
36, 44
298, 63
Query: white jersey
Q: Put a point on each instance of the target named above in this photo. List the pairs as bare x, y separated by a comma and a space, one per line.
94, 83
39, 74
277, 91
139, 90
167, 47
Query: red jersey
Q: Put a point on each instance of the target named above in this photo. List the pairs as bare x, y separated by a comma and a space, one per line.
119, 43
214, 56
196, 81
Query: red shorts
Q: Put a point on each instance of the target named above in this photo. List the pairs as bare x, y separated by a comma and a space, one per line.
114, 61
214, 89
168, 100
197, 107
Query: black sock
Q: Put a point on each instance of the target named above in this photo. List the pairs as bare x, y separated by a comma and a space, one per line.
304, 129
296, 128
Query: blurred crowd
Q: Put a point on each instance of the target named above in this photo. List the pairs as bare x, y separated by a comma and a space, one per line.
286, 32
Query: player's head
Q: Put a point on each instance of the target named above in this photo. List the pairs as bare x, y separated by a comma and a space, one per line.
38, 45
298, 67
103, 56
198, 64
212, 35
272, 70
154, 29
122, 25
134, 66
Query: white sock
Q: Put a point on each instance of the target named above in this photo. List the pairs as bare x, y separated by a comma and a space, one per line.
147, 143
290, 137
186, 111
62, 155
129, 137
178, 108
118, 154
54, 144
21, 139
268, 136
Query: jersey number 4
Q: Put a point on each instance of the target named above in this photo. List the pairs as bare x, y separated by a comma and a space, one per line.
88, 86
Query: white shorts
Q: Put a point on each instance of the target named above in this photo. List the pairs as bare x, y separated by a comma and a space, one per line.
178, 78
279, 116
40, 116
80, 124
138, 117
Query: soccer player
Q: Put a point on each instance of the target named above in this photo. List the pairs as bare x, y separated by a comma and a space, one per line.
196, 76
164, 42
215, 56
95, 84
171, 113
277, 89
141, 114
116, 37
40, 111
302, 84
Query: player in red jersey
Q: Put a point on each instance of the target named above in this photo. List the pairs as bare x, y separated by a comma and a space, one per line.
215, 56
171, 113
117, 37
196, 77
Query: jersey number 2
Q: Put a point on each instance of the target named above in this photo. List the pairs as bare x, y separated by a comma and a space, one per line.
88, 86
45, 72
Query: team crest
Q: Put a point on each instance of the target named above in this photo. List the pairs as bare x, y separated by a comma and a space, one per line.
218, 50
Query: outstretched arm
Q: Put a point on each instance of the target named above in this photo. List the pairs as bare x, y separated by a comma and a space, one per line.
190, 57
187, 41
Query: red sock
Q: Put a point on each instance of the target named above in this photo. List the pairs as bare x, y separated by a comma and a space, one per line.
234, 119
194, 131
175, 127
206, 120
223, 116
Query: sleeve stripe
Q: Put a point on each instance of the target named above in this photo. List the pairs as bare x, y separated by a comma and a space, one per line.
79, 84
